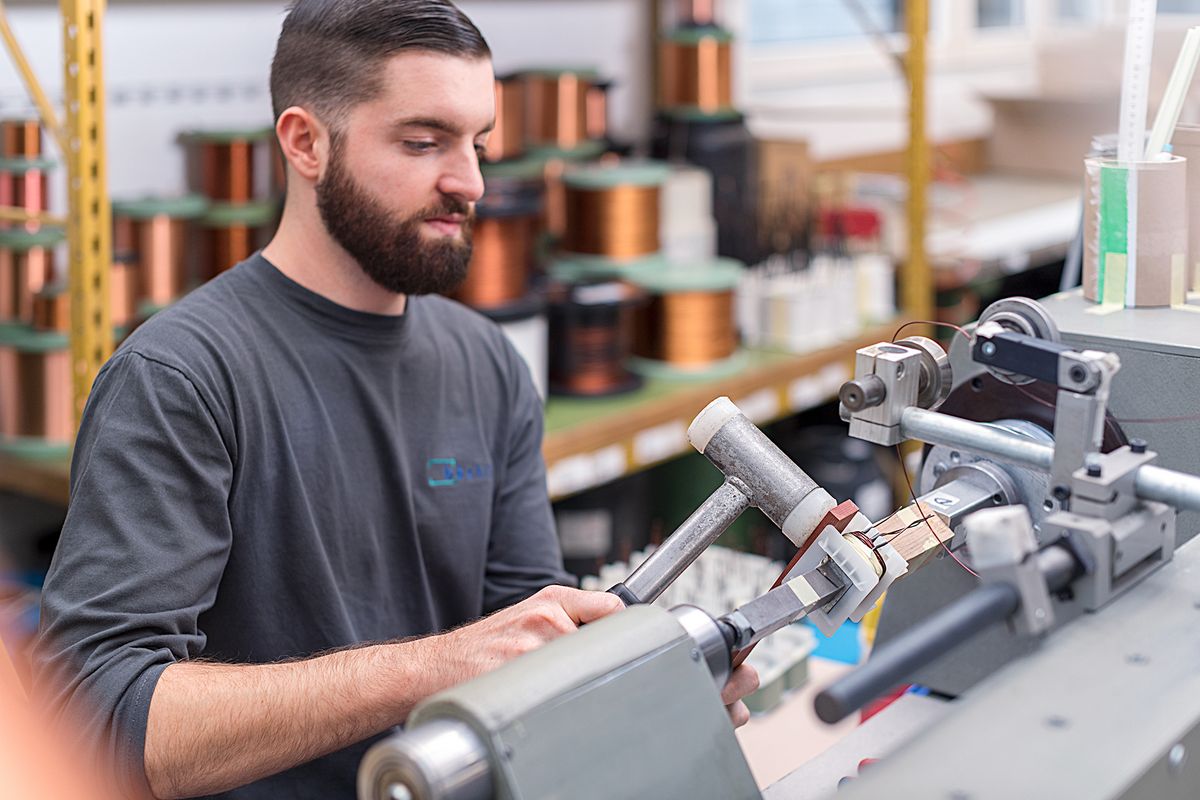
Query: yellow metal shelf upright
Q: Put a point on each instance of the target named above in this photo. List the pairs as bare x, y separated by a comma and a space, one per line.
89, 231
81, 141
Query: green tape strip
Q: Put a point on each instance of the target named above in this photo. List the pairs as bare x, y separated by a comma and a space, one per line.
1114, 223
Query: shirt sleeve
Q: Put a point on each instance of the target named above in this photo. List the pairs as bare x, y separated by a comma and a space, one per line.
145, 542
523, 550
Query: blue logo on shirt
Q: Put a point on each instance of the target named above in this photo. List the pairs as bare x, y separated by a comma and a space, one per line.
448, 472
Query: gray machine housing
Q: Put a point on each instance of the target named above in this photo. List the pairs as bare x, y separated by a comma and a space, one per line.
1160, 370
641, 665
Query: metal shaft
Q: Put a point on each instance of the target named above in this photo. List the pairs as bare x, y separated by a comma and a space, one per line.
683, 546
783, 605
935, 636
1176, 489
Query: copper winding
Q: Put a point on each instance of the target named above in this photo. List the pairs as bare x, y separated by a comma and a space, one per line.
697, 12
38, 402
124, 290
21, 138
158, 245
226, 247
52, 310
596, 355
591, 339
619, 222
224, 171
26, 191
596, 112
555, 213
687, 329
696, 75
23, 273
501, 257
507, 139
556, 110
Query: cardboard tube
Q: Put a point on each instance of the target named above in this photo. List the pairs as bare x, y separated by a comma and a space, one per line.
1153, 196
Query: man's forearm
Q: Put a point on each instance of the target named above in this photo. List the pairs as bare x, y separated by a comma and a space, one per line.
213, 727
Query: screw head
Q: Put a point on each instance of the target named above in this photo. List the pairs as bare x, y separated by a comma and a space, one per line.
695, 654
989, 349
1138, 445
1078, 374
1061, 493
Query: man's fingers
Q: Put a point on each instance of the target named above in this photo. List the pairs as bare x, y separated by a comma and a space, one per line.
742, 683
584, 607
739, 714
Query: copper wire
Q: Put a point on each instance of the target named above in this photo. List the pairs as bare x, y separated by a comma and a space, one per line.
591, 343
697, 12
596, 113
228, 246
124, 290
687, 329
26, 191
162, 258
21, 138
23, 273
696, 75
619, 222
507, 139
501, 257
554, 216
52, 310
556, 114
597, 362
224, 171
42, 407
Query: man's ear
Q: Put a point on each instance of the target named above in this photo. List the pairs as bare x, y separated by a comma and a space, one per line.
304, 140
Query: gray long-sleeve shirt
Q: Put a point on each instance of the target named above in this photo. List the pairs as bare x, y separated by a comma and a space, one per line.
262, 474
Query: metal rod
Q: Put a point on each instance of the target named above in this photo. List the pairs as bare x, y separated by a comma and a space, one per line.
926, 641
935, 428
683, 546
1167, 486
1177, 489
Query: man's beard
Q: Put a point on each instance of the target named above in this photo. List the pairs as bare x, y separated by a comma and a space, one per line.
394, 254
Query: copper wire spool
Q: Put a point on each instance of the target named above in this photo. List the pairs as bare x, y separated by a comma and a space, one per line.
21, 138
24, 271
687, 329
620, 222
596, 114
233, 233
591, 331
557, 106
507, 139
124, 291
222, 165
500, 262
696, 70
24, 188
228, 246
38, 405
697, 12
52, 310
155, 235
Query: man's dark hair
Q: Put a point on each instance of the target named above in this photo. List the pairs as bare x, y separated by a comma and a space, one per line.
329, 52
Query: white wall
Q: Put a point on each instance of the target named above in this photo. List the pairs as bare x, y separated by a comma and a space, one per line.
171, 66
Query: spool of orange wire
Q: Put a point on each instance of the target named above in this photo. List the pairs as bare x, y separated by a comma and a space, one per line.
507, 139
157, 234
52, 309
591, 331
696, 72
697, 12
35, 392
556, 102
688, 325
124, 291
24, 185
232, 233
26, 266
224, 165
613, 211
504, 237
21, 138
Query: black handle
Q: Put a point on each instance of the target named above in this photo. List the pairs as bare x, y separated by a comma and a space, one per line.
891, 664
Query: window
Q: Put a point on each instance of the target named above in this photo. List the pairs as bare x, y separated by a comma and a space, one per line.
1000, 13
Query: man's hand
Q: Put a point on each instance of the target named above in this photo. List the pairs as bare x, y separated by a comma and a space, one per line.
743, 683
482, 646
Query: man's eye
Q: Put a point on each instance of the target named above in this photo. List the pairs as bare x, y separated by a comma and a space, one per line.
481, 150
420, 147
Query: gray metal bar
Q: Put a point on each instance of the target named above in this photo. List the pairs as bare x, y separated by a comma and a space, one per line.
1177, 489
684, 546
935, 428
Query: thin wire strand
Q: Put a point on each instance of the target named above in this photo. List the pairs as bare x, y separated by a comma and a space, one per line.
908, 481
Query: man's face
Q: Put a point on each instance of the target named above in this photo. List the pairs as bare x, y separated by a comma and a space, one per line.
399, 190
